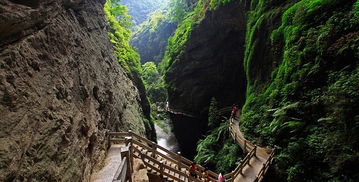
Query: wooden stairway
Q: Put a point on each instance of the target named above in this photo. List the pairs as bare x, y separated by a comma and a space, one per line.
174, 167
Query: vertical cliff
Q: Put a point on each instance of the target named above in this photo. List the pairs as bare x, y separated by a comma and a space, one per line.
293, 65
301, 62
61, 90
151, 40
208, 65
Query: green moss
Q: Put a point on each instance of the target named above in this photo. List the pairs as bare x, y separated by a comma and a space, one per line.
217, 151
187, 22
356, 9
216, 3
298, 106
119, 21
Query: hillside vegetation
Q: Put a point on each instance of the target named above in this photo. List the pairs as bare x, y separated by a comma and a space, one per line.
302, 80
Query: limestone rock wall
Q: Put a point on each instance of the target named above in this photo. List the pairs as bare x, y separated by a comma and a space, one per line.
61, 90
211, 66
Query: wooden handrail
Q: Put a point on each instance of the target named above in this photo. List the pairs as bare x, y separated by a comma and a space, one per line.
211, 174
121, 172
177, 112
184, 161
156, 152
181, 162
162, 166
265, 167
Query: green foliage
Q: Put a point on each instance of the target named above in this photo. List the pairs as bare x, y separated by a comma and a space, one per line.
355, 10
150, 73
213, 113
178, 10
217, 150
187, 22
155, 86
216, 3
307, 107
295, 173
119, 37
156, 92
129, 59
154, 21
140, 9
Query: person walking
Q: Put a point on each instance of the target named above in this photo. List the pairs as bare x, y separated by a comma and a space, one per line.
220, 178
192, 170
234, 111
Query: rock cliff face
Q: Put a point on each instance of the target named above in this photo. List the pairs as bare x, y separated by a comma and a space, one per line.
211, 66
61, 90
302, 77
151, 44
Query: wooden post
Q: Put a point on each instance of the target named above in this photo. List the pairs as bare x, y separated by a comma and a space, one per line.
129, 167
255, 150
179, 161
161, 169
232, 176
130, 150
153, 150
109, 141
129, 163
245, 146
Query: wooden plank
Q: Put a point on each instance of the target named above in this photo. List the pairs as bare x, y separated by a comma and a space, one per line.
156, 152
176, 164
161, 148
153, 167
117, 140
121, 171
118, 134
174, 170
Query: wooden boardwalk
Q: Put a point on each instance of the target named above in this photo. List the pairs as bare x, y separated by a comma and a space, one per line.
174, 167
258, 164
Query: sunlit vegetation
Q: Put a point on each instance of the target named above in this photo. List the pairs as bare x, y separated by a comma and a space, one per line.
217, 150
188, 16
119, 21
150, 37
140, 9
129, 59
307, 108
155, 87
306, 104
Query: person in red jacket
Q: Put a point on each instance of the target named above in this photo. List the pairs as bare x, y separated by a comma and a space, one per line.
234, 111
192, 170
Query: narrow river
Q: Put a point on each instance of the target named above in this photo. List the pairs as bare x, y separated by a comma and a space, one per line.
166, 138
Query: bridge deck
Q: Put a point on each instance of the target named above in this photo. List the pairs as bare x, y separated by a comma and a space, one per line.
112, 161
174, 167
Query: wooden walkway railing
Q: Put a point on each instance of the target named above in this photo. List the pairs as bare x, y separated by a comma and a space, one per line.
174, 167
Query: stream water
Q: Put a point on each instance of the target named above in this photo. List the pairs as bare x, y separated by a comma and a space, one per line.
166, 138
